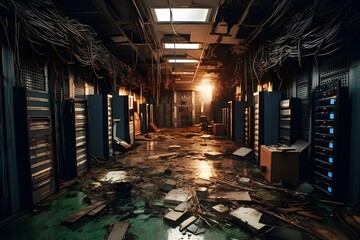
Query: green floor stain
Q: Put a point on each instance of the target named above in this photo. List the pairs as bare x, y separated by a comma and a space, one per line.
45, 223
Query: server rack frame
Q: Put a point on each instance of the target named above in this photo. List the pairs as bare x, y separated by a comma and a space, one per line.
123, 113
144, 115
75, 162
100, 125
35, 147
238, 123
266, 120
290, 121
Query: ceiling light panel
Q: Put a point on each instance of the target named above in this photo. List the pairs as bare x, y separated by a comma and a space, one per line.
181, 14
183, 73
183, 61
181, 45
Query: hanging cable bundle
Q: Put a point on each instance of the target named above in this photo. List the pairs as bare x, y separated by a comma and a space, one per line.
317, 30
44, 24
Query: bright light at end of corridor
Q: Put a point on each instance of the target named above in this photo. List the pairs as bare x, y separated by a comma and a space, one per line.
206, 92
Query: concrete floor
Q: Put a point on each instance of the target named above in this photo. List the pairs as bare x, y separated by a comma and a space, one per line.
142, 167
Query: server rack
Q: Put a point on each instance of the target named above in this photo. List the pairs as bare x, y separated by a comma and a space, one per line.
165, 114
76, 145
248, 126
238, 123
100, 125
123, 114
34, 143
144, 113
266, 120
5, 209
225, 119
290, 121
229, 129
330, 139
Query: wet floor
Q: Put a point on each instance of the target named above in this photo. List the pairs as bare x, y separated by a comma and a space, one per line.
134, 186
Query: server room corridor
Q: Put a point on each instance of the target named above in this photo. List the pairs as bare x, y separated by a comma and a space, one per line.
179, 119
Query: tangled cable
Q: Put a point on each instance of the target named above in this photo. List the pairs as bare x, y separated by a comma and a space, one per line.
44, 24
319, 29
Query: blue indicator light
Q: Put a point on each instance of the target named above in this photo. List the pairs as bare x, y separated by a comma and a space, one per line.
331, 160
332, 116
331, 145
332, 101
330, 174
331, 130
330, 189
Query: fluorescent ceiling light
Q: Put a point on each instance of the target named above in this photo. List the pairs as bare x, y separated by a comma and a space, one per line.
183, 73
182, 14
181, 45
182, 61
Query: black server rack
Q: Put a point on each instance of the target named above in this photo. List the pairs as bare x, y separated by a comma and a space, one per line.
238, 123
100, 125
229, 129
290, 121
165, 115
123, 114
330, 139
225, 119
144, 116
34, 143
5, 209
248, 126
266, 120
75, 162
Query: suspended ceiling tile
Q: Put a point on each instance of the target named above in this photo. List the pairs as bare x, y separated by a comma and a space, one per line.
195, 54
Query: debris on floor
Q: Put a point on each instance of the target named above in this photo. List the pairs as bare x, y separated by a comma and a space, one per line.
154, 127
174, 217
244, 179
76, 216
201, 188
231, 196
249, 217
220, 208
242, 152
118, 231
177, 196
213, 155
114, 176
202, 192
187, 222
174, 147
168, 185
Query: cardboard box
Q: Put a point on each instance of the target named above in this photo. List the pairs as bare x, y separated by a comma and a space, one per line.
278, 164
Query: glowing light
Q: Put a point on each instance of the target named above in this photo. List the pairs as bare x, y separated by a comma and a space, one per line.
181, 14
206, 92
182, 73
181, 45
182, 61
